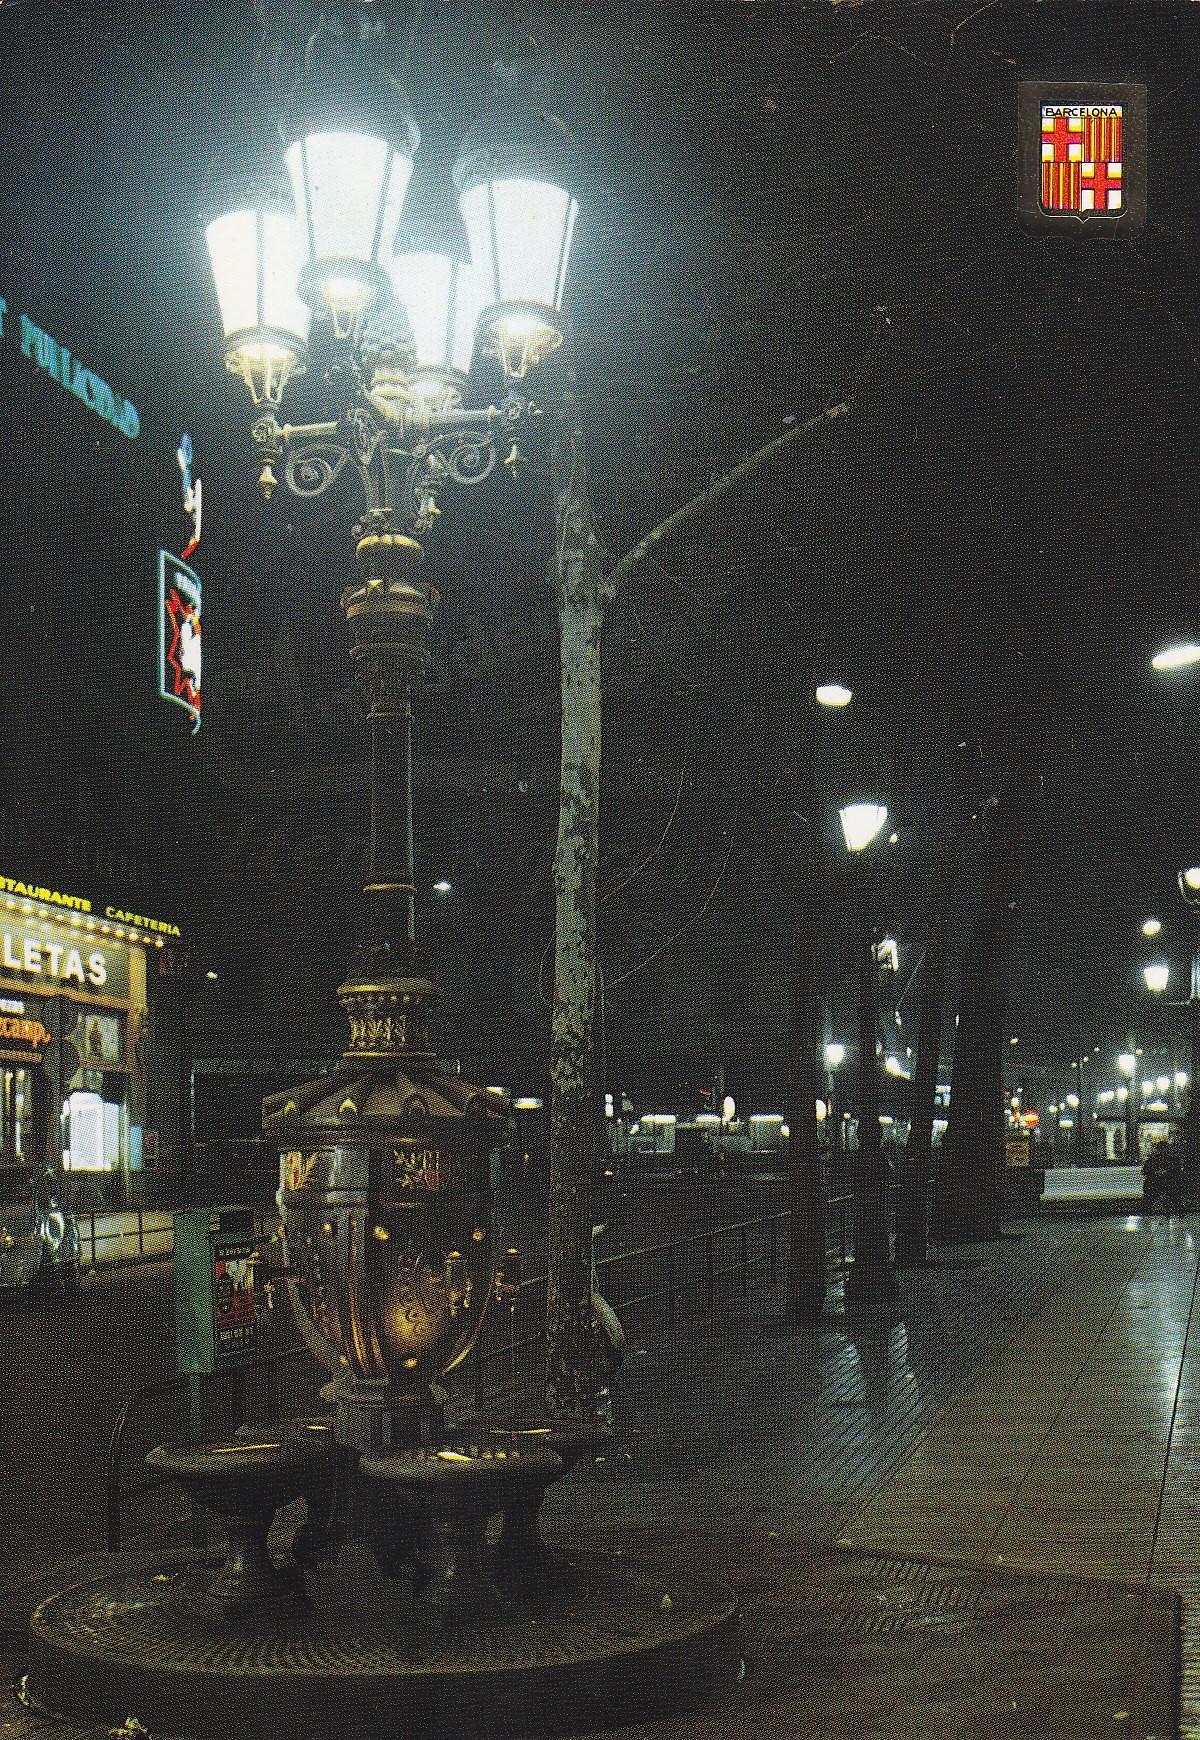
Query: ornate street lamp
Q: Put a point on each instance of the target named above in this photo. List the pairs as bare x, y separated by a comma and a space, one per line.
255, 249
513, 177
871, 1282
350, 159
384, 1160
439, 290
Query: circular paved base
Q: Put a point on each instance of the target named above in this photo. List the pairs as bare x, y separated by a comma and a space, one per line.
608, 1649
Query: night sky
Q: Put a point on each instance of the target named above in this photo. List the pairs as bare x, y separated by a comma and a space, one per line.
781, 206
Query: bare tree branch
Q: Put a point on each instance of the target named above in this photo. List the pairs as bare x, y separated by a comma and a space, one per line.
716, 490
610, 985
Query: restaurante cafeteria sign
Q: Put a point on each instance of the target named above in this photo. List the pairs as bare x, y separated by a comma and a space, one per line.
53, 357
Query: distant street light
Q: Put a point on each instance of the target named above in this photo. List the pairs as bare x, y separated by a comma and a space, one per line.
1177, 656
871, 1281
835, 1056
833, 695
861, 822
1151, 926
1127, 1063
441, 886
1156, 974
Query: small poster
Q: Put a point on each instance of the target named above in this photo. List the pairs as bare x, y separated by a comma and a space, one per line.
1016, 1150
234, 1307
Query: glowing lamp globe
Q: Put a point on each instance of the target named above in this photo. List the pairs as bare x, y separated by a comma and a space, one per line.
835, 1053
512, 177
1189, 885
861, 824
441, 298
1157, 975
1151, 926
255, 250
349, 189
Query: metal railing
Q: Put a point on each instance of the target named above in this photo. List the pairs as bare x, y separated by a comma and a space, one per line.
689, 1276
693, 1275
237, 1391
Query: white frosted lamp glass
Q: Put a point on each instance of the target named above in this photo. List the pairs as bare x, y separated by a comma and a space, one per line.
520, 231
255, 254
423, 284
349, 189
861, 823
1157, 975
441, 297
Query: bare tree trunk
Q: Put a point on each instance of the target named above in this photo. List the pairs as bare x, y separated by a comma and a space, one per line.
572, 1378
912, 1206
572, 1389
806, 1186
968, 1195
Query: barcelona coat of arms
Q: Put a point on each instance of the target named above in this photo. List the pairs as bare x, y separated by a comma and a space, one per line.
1083, 157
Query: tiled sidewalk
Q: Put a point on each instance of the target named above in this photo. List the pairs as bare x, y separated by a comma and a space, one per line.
1038, 1407
1077, 1451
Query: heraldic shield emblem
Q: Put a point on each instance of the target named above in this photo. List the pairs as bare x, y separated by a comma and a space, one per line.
1082, 157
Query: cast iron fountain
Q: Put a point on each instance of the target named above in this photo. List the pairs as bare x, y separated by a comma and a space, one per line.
393, 1615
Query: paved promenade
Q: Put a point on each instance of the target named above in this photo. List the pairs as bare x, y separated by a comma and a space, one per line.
968, 1524
1038, 1409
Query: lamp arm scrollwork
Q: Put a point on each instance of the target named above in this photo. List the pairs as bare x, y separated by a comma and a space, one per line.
398, 447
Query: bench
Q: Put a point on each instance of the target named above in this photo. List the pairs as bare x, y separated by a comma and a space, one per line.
1084, 1184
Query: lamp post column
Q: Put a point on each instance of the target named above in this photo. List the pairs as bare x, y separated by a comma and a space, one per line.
1131, 1107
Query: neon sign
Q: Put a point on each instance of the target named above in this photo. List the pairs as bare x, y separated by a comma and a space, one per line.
192, 493
179, 635
54, 359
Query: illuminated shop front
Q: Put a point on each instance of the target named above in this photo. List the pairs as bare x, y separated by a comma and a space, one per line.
78, 984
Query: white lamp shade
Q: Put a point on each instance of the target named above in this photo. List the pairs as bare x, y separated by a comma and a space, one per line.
1156, 974
861, 823
442, 299
255, 255
349, 190
1127, 1063
520, 233
835, 1053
